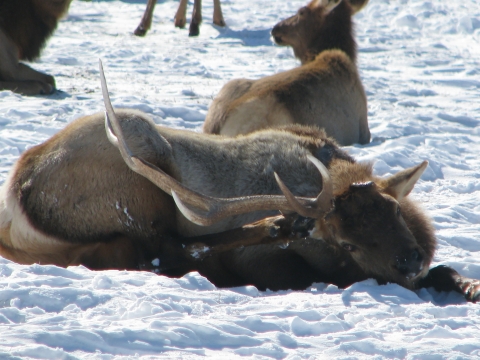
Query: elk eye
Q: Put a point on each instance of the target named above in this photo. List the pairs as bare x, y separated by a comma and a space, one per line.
399, 211
348, 247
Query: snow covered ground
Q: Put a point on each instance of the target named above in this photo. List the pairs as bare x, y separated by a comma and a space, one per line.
420, 64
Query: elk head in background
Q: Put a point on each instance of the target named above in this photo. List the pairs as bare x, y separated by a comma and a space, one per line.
326, 91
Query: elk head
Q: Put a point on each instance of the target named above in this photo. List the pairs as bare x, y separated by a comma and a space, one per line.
319, 26
367, 222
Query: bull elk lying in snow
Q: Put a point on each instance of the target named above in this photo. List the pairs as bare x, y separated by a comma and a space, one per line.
201, 202
25, 26
325, 91
181, 17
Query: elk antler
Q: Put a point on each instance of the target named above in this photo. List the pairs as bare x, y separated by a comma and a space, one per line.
317, 206
215, 209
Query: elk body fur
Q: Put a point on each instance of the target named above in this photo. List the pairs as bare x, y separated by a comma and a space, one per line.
325, 91
25, 27
75, 200
181, 17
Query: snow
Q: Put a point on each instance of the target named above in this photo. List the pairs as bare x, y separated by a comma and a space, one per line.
420, 64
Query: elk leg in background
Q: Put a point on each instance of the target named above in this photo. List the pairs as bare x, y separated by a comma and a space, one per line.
217, 14
444, 278
146, 21
18, 77
196, 18
181, 15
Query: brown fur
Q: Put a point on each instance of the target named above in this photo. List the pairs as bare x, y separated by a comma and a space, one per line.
180, 17
72, 200
25, 27
325, 91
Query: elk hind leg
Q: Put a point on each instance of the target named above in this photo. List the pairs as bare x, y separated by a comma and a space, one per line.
146, 21
120, 253
196, 18
217, 14
181, 14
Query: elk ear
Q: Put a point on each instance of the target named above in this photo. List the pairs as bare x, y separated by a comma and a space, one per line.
400, 184
329, 5
357, 5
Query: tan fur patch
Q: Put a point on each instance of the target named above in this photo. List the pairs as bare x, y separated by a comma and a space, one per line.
254, 114
344, 173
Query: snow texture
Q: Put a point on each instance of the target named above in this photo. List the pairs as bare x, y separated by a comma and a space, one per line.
420, 64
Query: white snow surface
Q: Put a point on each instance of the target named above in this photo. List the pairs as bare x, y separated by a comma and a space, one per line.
420, 64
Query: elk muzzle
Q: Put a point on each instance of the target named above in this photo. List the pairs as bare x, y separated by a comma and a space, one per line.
277, 35
283, 30
409, 264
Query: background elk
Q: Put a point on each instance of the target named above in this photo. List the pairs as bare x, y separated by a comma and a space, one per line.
25, 27
181, 17
75, 200
325, 91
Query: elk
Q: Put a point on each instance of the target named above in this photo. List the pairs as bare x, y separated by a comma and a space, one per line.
181, 17
119, 191
25, 27
325, 91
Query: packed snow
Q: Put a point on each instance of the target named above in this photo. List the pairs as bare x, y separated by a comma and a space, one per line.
420, 64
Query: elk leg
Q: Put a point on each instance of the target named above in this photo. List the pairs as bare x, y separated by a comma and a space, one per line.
19, 77
180, 256
120, 253
27, 87
217, 14
181, 15
146, 21
279, 230
196, 18
444, 278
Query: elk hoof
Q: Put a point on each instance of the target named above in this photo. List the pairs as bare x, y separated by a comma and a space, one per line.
220, 23
194, 30
140, 31
41, 88
471, 289
180, 23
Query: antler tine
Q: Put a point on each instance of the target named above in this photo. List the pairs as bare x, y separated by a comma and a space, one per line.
314, 207
113, 128
299, 208
323, 201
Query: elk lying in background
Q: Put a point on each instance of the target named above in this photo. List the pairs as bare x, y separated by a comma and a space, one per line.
77, 199
25, 27
325, 91
181, 17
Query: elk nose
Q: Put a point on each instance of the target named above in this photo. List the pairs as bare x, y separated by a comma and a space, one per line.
411, 264
276, 35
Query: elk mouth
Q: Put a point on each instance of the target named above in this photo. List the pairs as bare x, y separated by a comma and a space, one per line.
278, 40
411, 278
